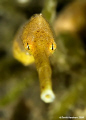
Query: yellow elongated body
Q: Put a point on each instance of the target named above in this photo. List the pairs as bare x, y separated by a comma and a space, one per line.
35, 42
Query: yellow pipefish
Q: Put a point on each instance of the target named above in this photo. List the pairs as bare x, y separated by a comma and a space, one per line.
35, 42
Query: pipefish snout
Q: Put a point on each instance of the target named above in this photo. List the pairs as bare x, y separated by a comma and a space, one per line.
35, 42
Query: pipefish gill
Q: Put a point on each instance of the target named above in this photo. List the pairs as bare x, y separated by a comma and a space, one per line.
35, 42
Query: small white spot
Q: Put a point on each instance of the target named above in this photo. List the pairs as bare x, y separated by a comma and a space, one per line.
27, 53
41, 14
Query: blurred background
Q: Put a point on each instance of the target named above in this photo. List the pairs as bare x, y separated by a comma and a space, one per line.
19, 85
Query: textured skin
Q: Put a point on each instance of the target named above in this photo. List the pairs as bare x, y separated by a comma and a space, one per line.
37, 39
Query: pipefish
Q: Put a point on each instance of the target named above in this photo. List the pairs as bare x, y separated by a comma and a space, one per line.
34, 42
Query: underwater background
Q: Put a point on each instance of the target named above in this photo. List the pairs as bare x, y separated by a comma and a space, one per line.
19, 85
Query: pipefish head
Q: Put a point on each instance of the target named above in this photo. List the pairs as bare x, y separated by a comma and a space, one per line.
38, 36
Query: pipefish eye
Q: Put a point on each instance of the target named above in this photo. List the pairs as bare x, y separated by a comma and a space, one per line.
27, 46
52, 47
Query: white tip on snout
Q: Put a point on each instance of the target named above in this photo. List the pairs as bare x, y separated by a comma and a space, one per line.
47, 96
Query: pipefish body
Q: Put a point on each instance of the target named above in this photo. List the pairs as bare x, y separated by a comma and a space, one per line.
35, 42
